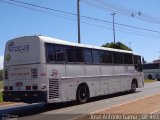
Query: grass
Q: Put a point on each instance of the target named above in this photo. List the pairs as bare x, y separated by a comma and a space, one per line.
1, 85
1, 99
149, 81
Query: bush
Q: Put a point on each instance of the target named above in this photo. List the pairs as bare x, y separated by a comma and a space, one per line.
117, 45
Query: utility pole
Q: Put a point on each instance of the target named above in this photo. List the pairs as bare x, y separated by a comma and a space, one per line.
113, 27
78, 21
129, 43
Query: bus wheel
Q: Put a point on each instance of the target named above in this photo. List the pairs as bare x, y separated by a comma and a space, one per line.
82, 94
133, 86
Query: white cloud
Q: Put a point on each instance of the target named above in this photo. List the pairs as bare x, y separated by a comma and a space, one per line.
1, 62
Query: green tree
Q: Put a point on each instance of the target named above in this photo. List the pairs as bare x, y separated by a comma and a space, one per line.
117, 45
1, 75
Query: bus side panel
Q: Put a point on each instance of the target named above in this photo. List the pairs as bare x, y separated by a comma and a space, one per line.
139, 76
119, 73
54, 73
123, 83
75, 71
140, 80
93, 78
104, 85
129, 76
111, 85
68, 89
107, 84
74, 76
126, 83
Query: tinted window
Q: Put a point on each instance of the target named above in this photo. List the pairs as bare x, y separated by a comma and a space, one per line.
79, 55
102, 57
115, 56
121, 58
70, 54
137, 60
118, 58
128, 59
151, 66
88, 56
137, 63
95, 56
50, 53
109, 57
60, 54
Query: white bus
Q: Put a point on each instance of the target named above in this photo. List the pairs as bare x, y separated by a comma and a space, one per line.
44, 69
151, 71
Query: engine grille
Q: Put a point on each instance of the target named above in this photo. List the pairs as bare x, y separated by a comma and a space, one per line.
53, 88
34, 72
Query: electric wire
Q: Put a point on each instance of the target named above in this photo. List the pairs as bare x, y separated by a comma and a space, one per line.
86, 17
110, 7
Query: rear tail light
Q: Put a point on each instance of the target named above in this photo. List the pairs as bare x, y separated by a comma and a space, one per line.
6, 74
5, 87
28, 87
10, 87
34, 87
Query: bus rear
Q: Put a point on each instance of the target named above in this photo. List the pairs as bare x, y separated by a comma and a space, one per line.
24, 71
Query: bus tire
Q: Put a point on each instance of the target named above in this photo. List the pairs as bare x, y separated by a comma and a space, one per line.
82, 94
133, 86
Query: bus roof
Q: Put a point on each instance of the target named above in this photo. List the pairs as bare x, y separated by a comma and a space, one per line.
46, 39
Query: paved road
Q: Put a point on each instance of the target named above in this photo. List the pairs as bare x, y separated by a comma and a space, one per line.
66, 111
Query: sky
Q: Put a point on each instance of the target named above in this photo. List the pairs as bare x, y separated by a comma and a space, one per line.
18, 21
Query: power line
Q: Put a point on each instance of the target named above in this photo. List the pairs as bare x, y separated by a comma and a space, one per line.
90, 18
38, 6
37, 10
123, 31
73, 14
110, 7
121, 9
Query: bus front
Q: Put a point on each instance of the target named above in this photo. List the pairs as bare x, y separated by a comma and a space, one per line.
24, 71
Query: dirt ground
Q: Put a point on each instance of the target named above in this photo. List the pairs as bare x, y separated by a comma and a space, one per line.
147, 105
6, 103
147, 109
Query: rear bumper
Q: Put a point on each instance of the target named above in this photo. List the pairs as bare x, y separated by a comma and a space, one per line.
25, 96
